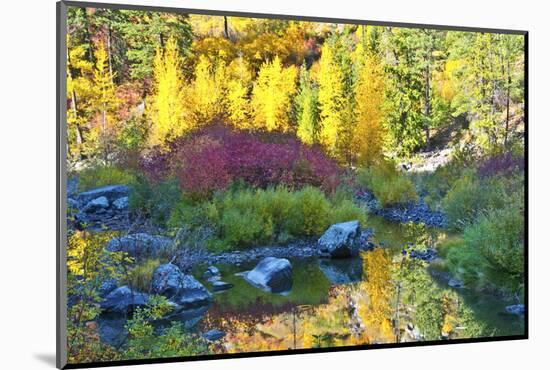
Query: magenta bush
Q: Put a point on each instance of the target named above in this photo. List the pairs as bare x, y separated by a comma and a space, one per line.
213, 157
501, 163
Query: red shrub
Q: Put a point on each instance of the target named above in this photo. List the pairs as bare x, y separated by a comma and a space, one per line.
212, 158
502, 163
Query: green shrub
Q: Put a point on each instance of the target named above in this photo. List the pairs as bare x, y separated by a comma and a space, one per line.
449, 243
387, 184
247, 217
491, 250
348, 211
465, 263
498, 235
310, 214
241, 227
468, 197
154, 201
186, 213
140, 276
96, 177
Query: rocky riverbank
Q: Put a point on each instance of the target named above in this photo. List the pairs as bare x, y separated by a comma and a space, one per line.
416, 212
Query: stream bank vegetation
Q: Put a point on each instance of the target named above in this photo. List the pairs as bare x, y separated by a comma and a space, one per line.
235, 133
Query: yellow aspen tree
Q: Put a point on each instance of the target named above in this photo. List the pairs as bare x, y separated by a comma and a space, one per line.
168, 110
105, 101
79, 95
369, 133
271, 96
331, 99
205, 92
237, 102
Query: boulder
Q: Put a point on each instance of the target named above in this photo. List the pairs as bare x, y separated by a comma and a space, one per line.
72, 204
516, 309
121, 203
271, 274
182, 289
123, 300
210, 272
342, 271
107, 287
96, 204
188, 317
214, 335
341, 240
111, 192
140, 245
112, 330
455, 283
219, 286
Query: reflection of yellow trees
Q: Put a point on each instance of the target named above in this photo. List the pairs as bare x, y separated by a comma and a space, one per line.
450, 309
273, 333
376, 311
327, 325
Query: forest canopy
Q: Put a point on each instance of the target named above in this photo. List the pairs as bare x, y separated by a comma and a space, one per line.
138, 80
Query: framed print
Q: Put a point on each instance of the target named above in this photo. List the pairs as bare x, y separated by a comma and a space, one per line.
235, 184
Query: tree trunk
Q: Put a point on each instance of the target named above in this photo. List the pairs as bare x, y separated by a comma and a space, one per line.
397, 302
427, 106
88, 37
226, 27
109, 53
509, 80
74, 103
161, 41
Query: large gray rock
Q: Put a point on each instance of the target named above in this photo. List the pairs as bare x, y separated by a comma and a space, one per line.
96, 204
341, 240
455, 283
214, 335
342, 271
182, 289
121, 203
271, 274
107, 287
515, 309
123, 299
220, 286
111, 192
140, 245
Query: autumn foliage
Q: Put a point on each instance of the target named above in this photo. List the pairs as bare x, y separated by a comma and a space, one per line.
214, 157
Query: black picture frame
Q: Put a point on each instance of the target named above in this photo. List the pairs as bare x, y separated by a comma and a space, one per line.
61, 186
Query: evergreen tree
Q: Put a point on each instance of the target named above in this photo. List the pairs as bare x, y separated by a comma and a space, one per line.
144, 32
307, 111
369, 133
415, 57
331, 99
105, 101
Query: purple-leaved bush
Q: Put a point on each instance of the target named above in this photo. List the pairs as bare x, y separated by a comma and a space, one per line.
214, 157
500, 164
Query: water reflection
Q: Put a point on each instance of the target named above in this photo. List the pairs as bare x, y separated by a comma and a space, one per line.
381, 297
